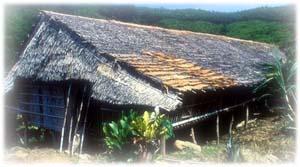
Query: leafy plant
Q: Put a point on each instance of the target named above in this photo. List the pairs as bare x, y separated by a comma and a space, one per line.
151, 126
279, 80
137, 134
148, 130
117, 134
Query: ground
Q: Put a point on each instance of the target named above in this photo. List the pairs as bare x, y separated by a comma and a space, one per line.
266, 139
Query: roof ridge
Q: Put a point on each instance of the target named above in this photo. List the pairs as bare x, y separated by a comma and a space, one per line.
222, 37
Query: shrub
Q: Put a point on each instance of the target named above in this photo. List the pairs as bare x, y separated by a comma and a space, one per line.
280, 82
138, 135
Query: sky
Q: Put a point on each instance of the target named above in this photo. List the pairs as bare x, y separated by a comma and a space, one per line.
212, 7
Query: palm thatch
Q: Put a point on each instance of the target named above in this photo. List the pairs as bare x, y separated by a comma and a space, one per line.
111, 56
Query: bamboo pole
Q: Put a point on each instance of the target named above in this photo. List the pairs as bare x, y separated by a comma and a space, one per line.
230, 126
247, 116
78, 120
14, 109
163, 146
25, 131
289, 105
218, 122
196, 119
84, 125
193, 135
218, 129
70, 134
65, 118
192, 130
41, 105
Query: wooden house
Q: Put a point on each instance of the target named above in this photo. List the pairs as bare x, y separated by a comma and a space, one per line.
77, 72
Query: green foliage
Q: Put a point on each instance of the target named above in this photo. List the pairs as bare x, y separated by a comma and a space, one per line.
117, 134
136, 130
269, 32
196, 26
151, 126
19, 24
279, 81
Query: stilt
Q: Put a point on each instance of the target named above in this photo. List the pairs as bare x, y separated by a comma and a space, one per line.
65, 118
70, 134
231, 123
230, 145
218, 129
84, 124
25, 131
77, 122
192, 129
193, 135
163, 146
247, 116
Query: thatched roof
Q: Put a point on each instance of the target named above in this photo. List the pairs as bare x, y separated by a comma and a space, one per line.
111, 56
234, 57
176, 73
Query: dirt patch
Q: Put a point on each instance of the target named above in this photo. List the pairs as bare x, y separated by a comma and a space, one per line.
266, 140
46, 155
38, 155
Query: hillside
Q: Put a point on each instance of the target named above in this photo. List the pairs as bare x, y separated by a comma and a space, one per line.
273, 25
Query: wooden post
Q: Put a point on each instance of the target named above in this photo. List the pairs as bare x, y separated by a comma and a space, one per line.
70, 134
78, 120
218, 121
247, 116
65, 118
84, 124
25, 131
193, 135
192, 130
218, 129
163, 146
231, 123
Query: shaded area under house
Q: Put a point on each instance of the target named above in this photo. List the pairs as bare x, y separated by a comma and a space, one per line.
90, 71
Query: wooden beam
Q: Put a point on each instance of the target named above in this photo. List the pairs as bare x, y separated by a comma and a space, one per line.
42, 105
231, 124
196, 119
247, 116
14, 109
218, 121
78, 120
84, 125
70, 135
39, 94
65, 118
25, 131
193, 135
218, 129
163, 146
192, 129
